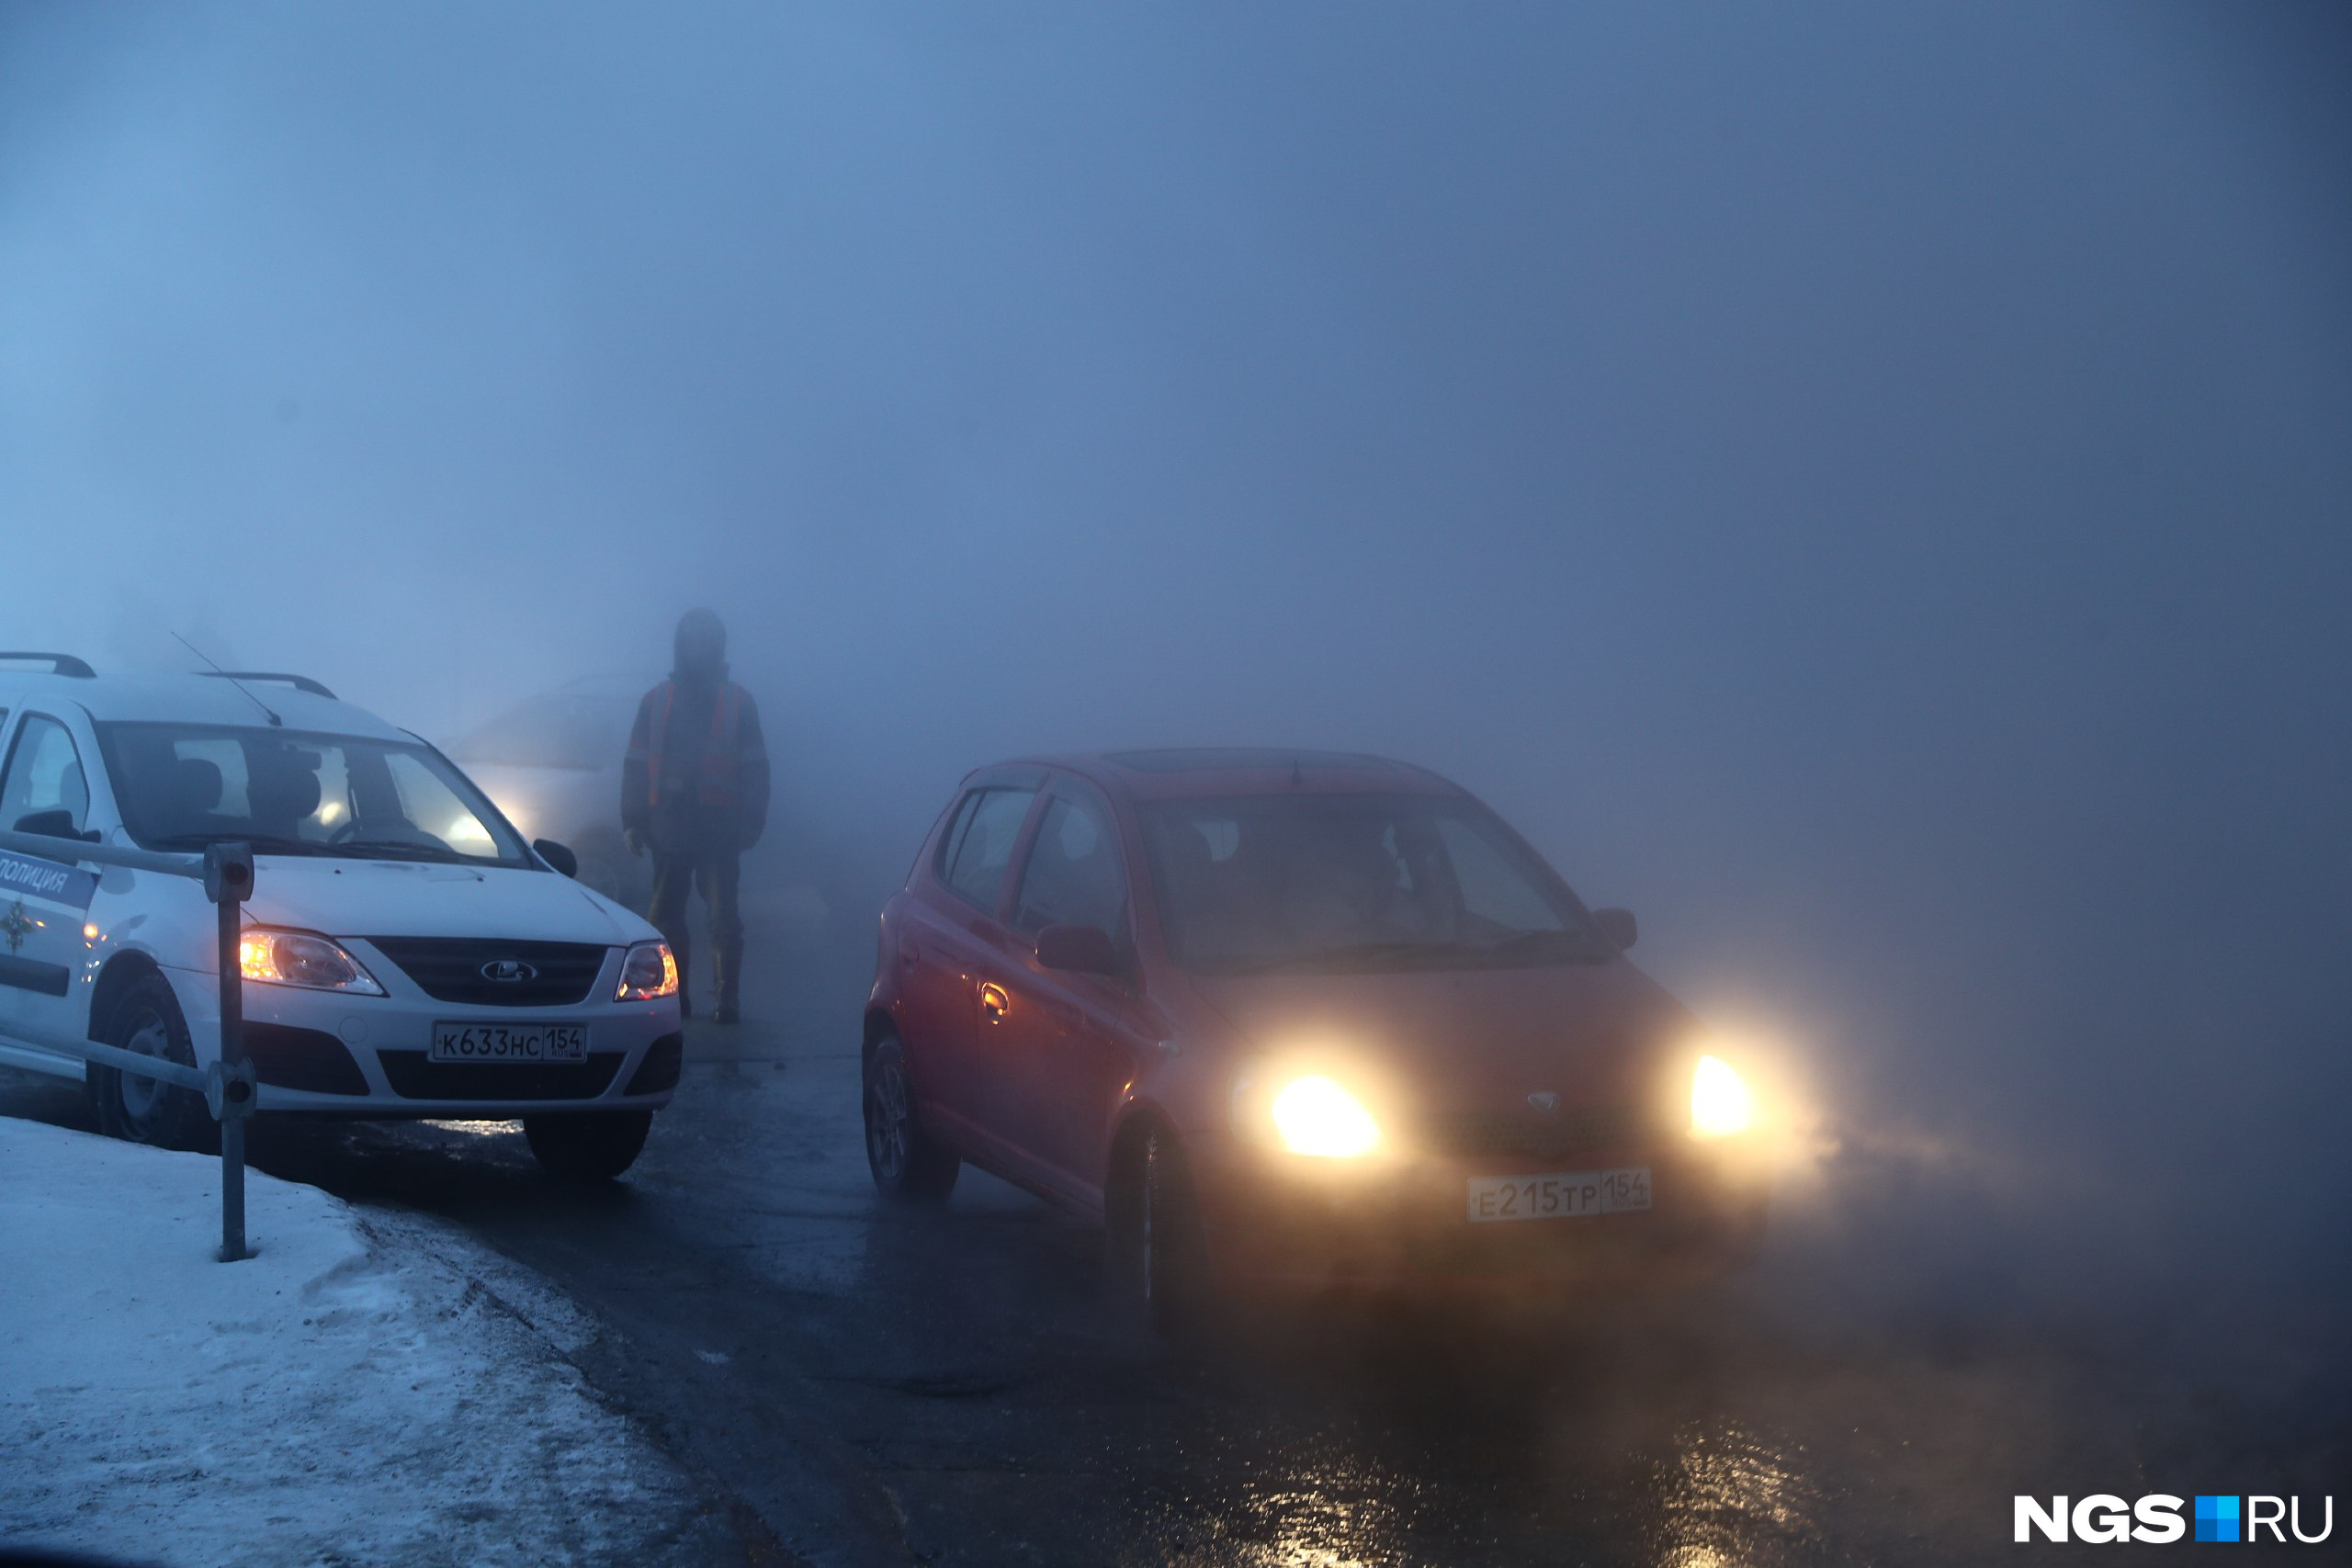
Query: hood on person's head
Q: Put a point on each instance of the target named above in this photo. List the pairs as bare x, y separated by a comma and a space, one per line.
701, 645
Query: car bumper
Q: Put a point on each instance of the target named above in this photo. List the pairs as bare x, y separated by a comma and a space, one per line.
1277, 1224
322, 1053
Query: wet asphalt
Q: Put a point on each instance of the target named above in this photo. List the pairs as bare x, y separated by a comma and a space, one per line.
853, 1383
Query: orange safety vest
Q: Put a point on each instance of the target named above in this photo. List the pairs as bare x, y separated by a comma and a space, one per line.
721, 782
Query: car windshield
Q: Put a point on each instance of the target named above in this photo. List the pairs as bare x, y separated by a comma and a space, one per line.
584, 732
184, 786
1328, 882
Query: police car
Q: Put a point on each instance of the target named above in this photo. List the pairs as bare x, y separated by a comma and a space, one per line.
405, 953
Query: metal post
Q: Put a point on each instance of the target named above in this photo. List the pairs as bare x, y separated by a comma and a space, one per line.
228, 881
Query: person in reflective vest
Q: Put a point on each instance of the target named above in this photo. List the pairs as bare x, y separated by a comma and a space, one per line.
695, 792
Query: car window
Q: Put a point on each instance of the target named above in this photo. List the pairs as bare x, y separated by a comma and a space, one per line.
44, 775
1072, 877
182, 786
586, 734
1492, 889
1308, 881
979, 844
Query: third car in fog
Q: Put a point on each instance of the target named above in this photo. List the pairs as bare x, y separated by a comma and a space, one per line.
1293, 1019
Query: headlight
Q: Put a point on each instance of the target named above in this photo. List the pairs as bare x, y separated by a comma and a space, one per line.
1316, 1116
300, 958
648, 972
1720, 1104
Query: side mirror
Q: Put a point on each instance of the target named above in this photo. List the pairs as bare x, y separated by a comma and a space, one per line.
55, 823
558, 856
1618, 926
1087, 950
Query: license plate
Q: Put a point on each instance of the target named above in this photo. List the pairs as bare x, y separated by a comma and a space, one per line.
1559, 1195
508, 1042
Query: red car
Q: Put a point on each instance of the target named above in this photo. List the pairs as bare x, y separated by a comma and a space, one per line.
1289, 1019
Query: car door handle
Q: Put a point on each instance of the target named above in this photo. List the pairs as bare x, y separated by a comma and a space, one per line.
992, 1001
909, 954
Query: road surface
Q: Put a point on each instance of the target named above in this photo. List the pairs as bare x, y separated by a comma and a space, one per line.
852, 1382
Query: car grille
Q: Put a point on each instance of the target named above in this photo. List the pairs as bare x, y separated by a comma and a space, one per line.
450, 969
1572, 1130
413, 1078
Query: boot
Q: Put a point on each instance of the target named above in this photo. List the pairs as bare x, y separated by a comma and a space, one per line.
727, 960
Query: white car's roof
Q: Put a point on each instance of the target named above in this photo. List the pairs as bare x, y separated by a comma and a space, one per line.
191, 699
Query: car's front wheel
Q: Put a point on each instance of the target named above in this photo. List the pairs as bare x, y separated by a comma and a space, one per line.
1158, 1250
904, 1159
585, 1146
147, 1020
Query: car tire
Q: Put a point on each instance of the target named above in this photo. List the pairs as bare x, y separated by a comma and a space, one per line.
908, 1163
146, 1019
1156, 1247
587, 1147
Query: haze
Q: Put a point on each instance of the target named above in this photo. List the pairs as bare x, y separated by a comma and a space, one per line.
1867, 489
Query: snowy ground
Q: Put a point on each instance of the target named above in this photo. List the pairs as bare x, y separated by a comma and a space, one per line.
366, 1390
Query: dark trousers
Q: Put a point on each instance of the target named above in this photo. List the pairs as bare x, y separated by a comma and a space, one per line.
710, 863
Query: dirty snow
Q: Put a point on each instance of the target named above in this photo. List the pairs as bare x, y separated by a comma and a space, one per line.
366, 1390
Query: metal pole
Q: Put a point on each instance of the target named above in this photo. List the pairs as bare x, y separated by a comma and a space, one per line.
228, 880
233, 1051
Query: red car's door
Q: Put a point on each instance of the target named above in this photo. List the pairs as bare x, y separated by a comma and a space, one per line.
1069, 1044
948, 947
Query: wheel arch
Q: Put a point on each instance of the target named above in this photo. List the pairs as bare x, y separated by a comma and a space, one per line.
1138, 1120
878, 1025
123, 971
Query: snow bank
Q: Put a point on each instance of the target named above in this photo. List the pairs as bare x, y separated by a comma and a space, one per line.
364, 1391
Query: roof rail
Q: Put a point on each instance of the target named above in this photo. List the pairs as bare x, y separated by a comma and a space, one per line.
58, 664
300, 683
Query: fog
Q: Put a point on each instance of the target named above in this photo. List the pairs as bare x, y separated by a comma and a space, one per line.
1869, 490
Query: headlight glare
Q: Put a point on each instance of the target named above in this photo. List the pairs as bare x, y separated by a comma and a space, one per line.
1720, 1104
302, 959
1316, 1116
648, 972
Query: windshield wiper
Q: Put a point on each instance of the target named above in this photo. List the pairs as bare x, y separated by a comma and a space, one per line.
389, 849
1364, 955
260, 843
1519, 946
1577, 944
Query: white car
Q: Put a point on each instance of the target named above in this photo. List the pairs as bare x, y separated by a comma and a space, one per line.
552, 764
405, 953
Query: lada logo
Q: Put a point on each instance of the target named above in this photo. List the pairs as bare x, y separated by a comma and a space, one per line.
507, 971
1545, 1099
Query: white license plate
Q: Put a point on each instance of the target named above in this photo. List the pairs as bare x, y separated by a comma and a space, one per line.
508, 1042
1559, 1195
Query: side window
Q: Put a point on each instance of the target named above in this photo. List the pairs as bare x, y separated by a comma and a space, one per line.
979, 843
1073, 876
44, 775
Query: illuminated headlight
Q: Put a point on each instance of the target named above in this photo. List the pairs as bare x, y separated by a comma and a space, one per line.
300, 958
648, 972
1315, 1116
1720, 1104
